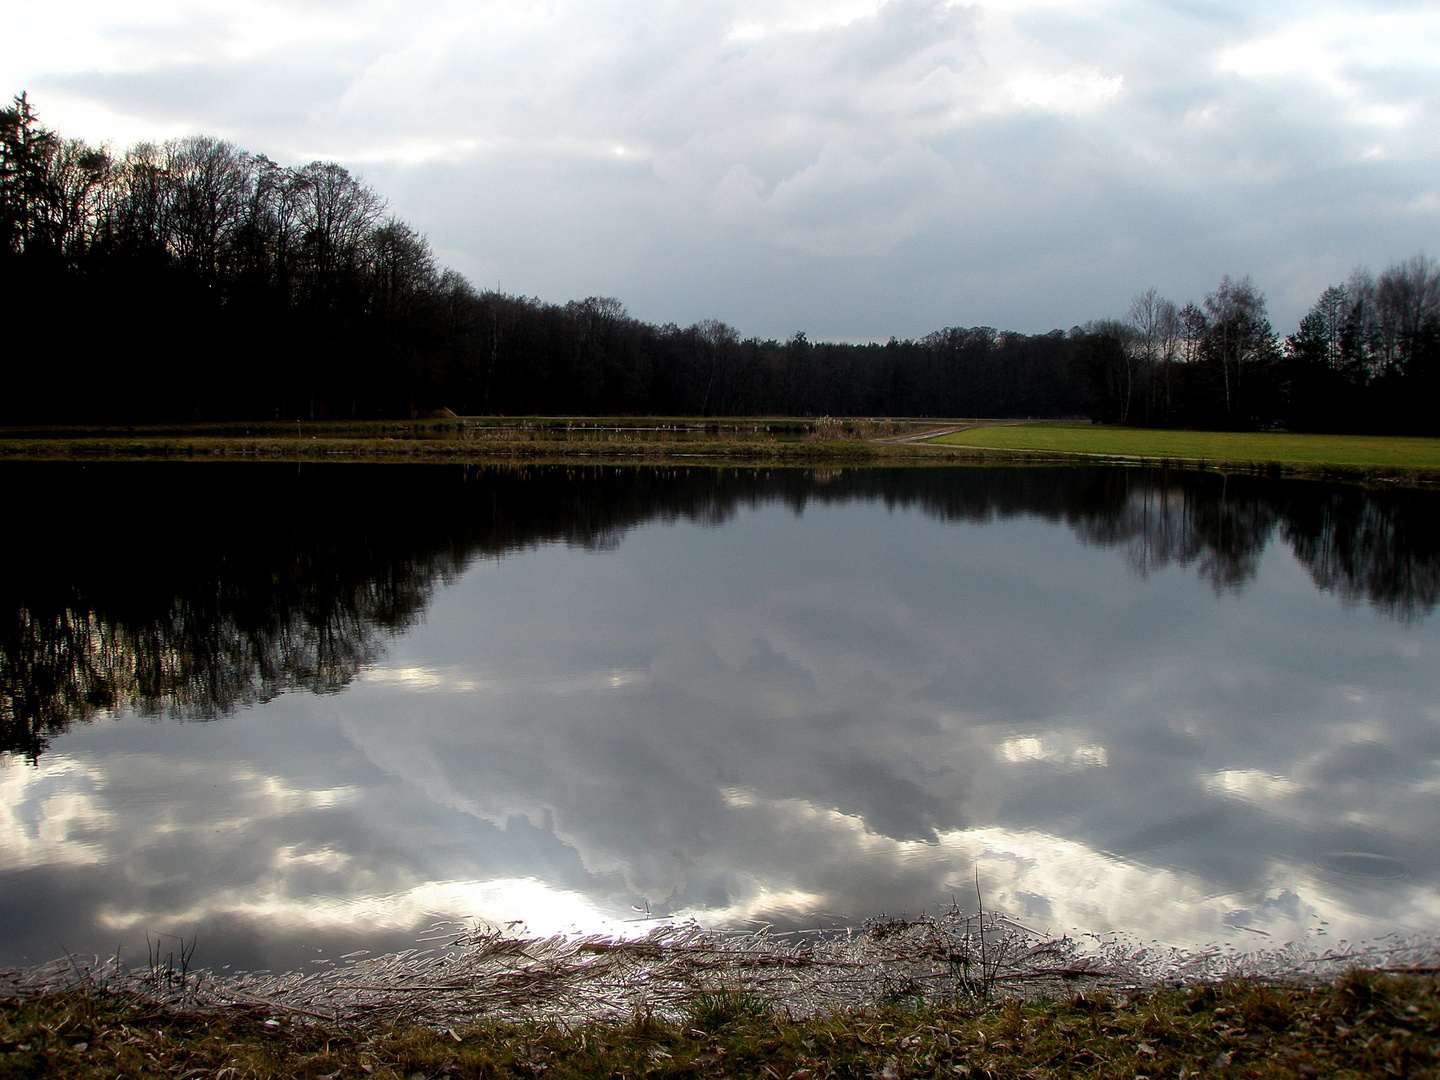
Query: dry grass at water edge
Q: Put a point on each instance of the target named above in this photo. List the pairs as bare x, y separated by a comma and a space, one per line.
1362, 1025
468, 437
797, 441
947, 996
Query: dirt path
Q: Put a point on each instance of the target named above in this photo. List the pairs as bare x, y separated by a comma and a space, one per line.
950, 429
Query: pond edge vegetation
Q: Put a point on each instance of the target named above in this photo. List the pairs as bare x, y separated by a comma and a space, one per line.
955, 995
784, 441
1363, 1024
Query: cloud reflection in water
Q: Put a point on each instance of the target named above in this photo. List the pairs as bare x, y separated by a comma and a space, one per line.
839, 706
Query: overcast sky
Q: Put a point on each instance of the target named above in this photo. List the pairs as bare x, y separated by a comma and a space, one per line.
852, 168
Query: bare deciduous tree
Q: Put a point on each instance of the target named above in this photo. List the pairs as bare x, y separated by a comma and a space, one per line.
1240, 336
1155, 322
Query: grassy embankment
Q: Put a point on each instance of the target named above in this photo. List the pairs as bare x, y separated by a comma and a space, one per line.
1346, 456
737, 440
1364, 1025
783, 440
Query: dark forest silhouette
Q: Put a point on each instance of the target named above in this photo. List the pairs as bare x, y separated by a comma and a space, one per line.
197, 281
191, 591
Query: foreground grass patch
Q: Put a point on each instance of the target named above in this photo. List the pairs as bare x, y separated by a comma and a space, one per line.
1283, 448
1363, 1025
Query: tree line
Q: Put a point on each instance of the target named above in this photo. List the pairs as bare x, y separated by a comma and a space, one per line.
1366, 357
193, 280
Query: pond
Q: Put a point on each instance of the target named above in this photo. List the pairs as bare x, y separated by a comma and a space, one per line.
291, 712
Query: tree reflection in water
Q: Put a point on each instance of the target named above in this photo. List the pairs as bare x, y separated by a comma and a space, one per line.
193, 590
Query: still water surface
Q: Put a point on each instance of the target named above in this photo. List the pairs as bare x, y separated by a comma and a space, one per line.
1190, 708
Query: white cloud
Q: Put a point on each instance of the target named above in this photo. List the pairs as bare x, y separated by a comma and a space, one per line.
1066, 91
46, 813
420, 679
1338, 49
798, 17
541, 908
1054, 750
143, 36
1252, 785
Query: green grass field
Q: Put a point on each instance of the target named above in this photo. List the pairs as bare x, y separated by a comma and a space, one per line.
1280, 448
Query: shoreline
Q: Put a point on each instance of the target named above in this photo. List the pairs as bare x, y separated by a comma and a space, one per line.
504, 973
676, 1009
773, 442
